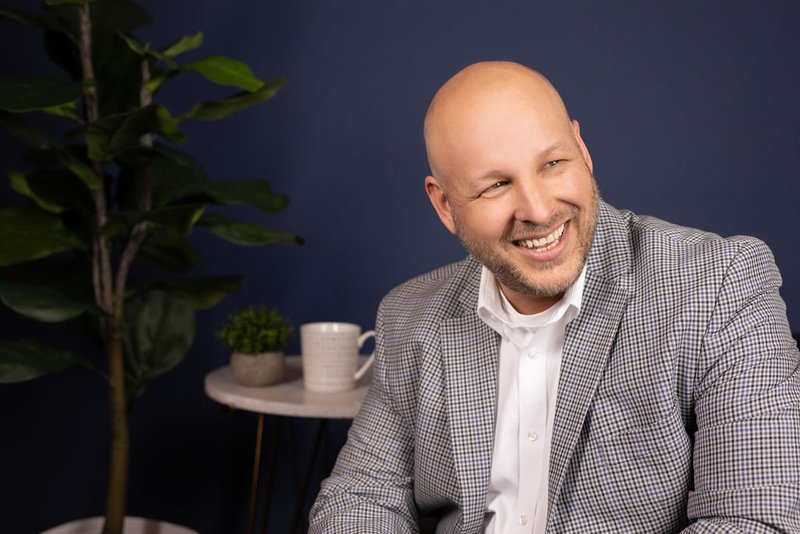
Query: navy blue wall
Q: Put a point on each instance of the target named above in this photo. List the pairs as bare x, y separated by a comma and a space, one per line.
689, 110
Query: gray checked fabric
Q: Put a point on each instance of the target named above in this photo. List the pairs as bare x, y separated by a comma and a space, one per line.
678, 406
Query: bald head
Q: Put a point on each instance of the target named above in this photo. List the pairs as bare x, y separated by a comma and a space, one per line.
473, 93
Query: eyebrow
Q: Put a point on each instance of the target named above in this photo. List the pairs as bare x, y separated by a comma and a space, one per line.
556, 147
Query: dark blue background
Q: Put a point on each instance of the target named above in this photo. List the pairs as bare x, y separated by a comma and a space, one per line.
689, 110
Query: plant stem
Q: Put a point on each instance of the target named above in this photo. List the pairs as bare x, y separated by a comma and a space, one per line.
102, 257
120, 439
111, 329
145, 203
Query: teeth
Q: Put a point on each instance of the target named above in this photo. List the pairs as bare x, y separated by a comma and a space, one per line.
545, 243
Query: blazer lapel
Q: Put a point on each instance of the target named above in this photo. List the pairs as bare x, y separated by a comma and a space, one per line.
589, 339
469, 356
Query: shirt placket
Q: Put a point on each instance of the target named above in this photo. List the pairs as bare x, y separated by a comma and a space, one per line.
532, 427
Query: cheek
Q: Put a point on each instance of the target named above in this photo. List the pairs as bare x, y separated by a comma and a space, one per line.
577, 189
489, 220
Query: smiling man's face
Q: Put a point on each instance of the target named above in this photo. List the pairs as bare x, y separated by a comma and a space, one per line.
513, 180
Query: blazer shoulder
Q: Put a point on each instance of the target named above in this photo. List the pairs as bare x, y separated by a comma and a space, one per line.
668, 242
442, 291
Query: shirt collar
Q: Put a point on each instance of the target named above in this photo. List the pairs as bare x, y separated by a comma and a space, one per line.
496, 311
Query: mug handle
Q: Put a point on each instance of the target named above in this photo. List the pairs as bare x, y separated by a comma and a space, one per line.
367, 364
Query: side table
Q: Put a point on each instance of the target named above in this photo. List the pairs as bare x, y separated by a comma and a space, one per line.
285, 399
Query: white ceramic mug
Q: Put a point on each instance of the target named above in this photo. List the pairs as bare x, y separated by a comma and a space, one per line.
330, 355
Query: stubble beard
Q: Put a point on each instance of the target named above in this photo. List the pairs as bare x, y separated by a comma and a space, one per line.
530, 283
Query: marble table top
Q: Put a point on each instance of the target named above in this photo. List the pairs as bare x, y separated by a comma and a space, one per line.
288, 397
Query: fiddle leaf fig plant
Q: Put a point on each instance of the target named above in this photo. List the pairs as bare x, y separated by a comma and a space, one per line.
111, 191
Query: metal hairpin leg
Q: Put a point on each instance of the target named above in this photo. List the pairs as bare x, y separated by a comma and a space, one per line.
322, 430
319, 440
273, 455
256, 469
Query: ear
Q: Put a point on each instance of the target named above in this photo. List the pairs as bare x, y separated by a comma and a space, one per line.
576, 128
439, 200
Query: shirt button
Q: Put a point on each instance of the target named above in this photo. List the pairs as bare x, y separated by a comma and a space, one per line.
523, 520
533, 436
533, 353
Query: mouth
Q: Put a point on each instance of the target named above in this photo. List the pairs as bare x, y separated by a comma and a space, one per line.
543, 244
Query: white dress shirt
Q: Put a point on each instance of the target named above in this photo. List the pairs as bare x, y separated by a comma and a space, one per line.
528, 370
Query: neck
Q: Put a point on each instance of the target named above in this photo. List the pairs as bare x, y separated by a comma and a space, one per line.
529, 304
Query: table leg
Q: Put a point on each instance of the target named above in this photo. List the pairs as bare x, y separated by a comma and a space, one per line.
301, 497
271, 472
256, 468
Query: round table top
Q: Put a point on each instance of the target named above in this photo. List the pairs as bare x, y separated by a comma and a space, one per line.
287, 397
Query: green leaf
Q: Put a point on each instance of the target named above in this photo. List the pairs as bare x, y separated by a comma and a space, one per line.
79, 169
134, 44
61, 48
177, 219
58, 2
158, 331
24, 130
226, 71
66, 276
26, 359
68, 111
173, 174
214, 110
48, 157
36, 93
243, 233
184, 44
204, 292
251, 192
32, 19
28, 133
40, 302
54, 191
158, 78
144, 51
30, 233
112, 16
109, 135
181, 158
19, 183
167, 251
22, 17
118, 73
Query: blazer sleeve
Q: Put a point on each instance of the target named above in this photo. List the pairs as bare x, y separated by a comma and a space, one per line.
370, 488
747, 407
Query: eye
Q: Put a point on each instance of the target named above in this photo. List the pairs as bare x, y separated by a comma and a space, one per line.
494, 188
553, 163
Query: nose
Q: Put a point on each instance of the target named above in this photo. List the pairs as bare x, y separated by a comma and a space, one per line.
532, 202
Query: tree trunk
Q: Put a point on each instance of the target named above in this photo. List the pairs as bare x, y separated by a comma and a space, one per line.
120, 437
110, 328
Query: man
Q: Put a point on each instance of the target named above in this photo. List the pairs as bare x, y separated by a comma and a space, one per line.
584, 369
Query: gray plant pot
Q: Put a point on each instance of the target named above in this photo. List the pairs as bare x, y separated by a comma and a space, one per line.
262, 369
132, 525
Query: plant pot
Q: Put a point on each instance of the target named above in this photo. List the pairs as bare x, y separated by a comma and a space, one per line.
261, 369
132, 525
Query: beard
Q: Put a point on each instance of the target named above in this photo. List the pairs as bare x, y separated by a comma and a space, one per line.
536, 278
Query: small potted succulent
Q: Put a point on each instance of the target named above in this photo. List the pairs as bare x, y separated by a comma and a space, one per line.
257, 337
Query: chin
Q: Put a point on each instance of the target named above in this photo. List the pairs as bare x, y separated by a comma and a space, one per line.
550, 282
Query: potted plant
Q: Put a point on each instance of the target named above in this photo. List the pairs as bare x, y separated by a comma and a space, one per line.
256, 336
113, 191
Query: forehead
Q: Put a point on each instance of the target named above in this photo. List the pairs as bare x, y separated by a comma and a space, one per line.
496, 124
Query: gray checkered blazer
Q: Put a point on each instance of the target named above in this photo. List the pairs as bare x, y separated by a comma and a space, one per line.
678, 402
